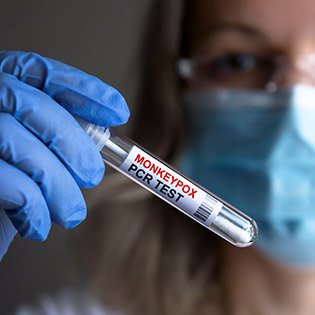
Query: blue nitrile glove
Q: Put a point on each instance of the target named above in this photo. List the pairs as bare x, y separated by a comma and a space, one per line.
45, 156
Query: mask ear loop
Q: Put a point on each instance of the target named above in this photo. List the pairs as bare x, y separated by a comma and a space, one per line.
279, 68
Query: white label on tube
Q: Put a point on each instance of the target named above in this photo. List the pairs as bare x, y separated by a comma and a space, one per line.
168, 184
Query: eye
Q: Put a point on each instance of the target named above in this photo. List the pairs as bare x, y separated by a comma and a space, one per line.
231, 63
234, 70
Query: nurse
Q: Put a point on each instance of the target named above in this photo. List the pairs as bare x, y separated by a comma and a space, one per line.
235, 111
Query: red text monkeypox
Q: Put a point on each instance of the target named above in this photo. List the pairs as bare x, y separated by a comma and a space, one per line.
168, 183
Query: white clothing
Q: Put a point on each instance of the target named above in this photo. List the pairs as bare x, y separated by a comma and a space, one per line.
67, 302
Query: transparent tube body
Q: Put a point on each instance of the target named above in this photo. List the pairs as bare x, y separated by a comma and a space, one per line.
162, 180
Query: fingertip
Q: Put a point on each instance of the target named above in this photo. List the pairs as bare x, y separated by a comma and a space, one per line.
122, 108
110, 110
72, 210
32, 220
74, 219
36, 235
36, 232
95, 177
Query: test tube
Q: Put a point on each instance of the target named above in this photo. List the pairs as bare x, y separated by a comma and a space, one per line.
164, 181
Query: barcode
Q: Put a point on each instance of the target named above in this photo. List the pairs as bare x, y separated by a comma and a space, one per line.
205, 209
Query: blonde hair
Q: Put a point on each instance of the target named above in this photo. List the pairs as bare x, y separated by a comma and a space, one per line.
144, 256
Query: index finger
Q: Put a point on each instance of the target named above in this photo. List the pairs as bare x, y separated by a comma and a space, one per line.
80, 93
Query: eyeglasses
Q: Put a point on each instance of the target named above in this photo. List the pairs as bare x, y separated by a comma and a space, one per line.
245, 71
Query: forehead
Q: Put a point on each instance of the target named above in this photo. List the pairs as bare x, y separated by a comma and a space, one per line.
279, 19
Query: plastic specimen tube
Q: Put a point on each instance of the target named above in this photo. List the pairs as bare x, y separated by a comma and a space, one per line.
162, 180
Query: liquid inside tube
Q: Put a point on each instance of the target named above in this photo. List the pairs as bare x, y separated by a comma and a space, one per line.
162, 180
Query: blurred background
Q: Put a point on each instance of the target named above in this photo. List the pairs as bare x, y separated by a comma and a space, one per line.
102, 38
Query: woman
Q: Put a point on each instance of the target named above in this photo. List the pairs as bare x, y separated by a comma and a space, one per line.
154, 261
250, 129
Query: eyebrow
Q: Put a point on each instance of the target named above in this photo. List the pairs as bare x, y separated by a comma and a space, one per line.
240, 27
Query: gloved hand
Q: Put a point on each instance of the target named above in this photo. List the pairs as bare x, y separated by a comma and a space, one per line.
45, 156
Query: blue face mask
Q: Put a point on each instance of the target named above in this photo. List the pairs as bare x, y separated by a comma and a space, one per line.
257, 151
